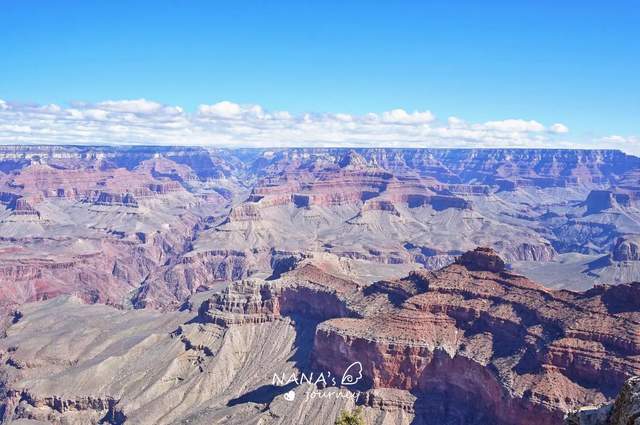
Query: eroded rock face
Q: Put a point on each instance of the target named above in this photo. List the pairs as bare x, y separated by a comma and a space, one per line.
624, 411
242, 302
474, 331
352, 159
124, 199
304, 292
627, 249
468, 344
184, 219
488, 343
599, 200
22, 207
482, 259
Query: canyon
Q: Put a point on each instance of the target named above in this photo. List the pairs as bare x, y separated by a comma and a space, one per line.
169, 284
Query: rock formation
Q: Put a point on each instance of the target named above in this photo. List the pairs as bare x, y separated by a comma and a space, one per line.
474, 331
627, 249
471, 331
625, 410
471, 343
175, 221
599, 200
482, 259
296, 261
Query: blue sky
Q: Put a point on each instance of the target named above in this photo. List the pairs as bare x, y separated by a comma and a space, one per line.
569, 62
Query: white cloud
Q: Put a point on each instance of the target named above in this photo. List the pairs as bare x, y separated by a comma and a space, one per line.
95, 114
224, 109
559, 128
15, 128
225, 123
629, 144
400, 116
137, 106
515, 125
282, 115
344, 117
614, 139
455, 122
51, 108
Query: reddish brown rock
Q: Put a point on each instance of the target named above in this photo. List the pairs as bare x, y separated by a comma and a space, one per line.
482, 259
470, 340
472, 330
354, 181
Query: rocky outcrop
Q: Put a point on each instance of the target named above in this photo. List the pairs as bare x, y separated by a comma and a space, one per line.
627, 249
116, 199
163, 188
245, 212
471, 343
532, 252
52, 409
352, 159
473, 330
482, 259
242, 302
8, 198
600, 200
380, 205
22, 207
283, 262
438, 202
624, 411
486, 340
307, 292
18, 205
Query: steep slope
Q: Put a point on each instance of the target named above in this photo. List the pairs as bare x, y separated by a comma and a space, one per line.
150, 226
469, 344
474, 331
624, 411
74, 223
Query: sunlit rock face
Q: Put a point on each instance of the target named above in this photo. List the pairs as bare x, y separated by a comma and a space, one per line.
163, 270
471, 343
149, 226
473, 331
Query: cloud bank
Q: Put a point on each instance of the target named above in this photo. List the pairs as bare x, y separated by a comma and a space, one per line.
230, 124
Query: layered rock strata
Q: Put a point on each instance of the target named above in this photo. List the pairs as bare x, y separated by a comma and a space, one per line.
471, 335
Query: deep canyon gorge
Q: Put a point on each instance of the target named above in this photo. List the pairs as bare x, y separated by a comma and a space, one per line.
163, 285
